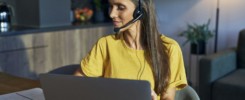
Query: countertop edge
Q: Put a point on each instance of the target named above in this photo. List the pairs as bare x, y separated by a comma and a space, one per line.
50, 29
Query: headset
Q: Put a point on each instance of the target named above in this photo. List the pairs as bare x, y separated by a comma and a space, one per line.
138, 13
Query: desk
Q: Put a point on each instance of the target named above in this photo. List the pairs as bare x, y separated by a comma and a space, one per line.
10, 83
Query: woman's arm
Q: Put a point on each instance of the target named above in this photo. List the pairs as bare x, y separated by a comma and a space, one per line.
169, 95
78, 72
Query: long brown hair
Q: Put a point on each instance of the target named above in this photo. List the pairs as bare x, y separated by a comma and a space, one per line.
151, 38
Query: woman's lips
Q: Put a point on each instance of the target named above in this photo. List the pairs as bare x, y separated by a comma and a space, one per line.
116, 23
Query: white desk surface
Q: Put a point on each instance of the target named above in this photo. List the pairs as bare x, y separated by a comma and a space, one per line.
31, 94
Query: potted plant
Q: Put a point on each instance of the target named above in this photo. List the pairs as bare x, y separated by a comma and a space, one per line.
197, 35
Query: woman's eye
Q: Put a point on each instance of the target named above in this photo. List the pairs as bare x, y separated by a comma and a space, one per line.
121, 7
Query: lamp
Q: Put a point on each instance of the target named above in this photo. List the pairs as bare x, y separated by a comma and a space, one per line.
216, 27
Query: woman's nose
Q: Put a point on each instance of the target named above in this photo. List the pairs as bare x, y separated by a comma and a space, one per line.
113, 13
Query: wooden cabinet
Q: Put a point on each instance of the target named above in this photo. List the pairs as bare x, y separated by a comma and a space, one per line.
31, 54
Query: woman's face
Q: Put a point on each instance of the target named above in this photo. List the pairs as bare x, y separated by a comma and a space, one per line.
121, 12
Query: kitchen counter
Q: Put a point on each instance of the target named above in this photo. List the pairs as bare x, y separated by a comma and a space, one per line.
27, 52
20, 30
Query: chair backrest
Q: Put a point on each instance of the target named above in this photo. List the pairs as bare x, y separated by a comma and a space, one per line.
66, 70
188, 93
241, 50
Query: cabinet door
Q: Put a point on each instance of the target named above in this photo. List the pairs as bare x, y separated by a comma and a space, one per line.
32, 54
70, 46
17, 54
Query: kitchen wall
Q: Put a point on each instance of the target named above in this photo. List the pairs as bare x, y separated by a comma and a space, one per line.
173, 15
40, 13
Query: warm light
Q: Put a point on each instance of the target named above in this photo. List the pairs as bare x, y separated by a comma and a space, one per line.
217, 3
232, 3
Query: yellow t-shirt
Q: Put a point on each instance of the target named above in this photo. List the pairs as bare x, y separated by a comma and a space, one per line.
110, 57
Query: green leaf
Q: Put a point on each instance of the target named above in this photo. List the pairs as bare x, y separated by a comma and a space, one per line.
196, 32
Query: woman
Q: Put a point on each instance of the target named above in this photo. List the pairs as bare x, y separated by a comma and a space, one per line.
138, 51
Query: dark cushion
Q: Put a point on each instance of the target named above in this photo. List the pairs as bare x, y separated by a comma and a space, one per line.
66, 70
214, 67
230, 87
241, 50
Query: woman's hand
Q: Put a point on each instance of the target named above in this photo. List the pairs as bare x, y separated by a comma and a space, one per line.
153, 95
169, 95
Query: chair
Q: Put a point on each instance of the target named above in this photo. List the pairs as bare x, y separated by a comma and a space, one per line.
221, 75
188, 93
66, 70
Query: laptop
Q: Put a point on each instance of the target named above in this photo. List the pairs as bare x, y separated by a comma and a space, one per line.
69, 87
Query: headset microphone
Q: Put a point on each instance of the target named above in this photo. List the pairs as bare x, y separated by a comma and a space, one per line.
130, 22
136, 16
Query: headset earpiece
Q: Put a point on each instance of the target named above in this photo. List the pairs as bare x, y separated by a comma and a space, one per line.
137, 12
